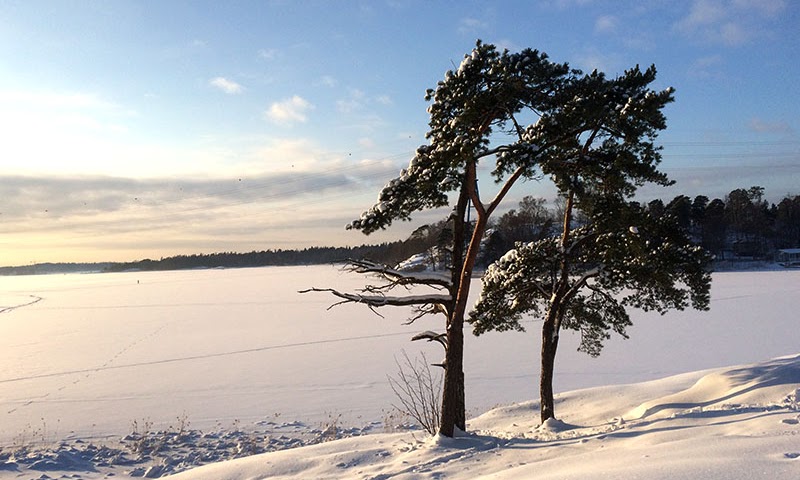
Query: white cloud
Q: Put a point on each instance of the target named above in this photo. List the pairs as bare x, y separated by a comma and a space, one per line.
732, 33
290, 110
510, 45
728, 22
702, 13
606, 24
355, 101
358, 100
228, 86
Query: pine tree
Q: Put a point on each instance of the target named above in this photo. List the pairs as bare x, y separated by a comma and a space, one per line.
621, 255
476, 115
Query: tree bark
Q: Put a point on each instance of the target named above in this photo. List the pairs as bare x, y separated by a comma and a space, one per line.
552, 324
549, 347
453, 402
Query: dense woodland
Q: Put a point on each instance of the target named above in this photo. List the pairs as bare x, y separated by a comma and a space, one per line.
740, 226
743, 225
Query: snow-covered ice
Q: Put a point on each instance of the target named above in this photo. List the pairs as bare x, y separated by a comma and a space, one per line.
207, 361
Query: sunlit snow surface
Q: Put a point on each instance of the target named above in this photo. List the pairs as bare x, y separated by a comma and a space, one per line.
85, 356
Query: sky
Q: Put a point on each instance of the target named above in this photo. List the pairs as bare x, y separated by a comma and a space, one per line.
144, 129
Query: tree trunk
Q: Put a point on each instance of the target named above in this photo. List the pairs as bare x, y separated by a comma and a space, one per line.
552, 323
453, 403
549, 347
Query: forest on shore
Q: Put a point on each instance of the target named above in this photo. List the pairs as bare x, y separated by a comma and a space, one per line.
741, 226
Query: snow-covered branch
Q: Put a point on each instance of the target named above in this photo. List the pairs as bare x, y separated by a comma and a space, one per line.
579, 241
581, 282
433, 301
397, 277
533, 285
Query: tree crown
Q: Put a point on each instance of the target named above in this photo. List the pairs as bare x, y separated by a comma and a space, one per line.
483, 96
623, 257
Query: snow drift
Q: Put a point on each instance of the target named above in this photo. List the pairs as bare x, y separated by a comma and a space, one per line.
732, 423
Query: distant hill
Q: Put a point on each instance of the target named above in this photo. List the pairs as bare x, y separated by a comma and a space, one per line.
50, 268
387, 253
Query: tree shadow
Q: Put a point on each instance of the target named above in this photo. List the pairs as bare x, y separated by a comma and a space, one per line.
643, 428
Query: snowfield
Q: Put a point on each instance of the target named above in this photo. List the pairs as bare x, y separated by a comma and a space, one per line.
150, 373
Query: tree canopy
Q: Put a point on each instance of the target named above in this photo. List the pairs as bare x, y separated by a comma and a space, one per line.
621, 255
592, 136
484, 96
624, 257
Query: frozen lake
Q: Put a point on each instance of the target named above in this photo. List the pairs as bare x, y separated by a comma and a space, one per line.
87, 355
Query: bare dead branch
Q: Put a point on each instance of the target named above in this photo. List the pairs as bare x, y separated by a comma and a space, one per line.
431, 337
429, 303
430, 309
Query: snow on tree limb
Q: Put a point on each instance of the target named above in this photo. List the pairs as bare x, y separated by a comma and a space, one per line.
377, 301
397, 277
431, 337
656, 268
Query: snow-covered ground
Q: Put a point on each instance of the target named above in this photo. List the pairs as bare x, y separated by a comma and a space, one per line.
148, 373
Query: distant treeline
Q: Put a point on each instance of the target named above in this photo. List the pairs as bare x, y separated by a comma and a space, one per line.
46, 268
386, 252
743, 225
392, 253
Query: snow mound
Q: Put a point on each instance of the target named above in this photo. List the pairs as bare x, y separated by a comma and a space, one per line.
767, 384
552, 425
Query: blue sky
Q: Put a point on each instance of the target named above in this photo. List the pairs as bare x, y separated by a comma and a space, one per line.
147, 129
